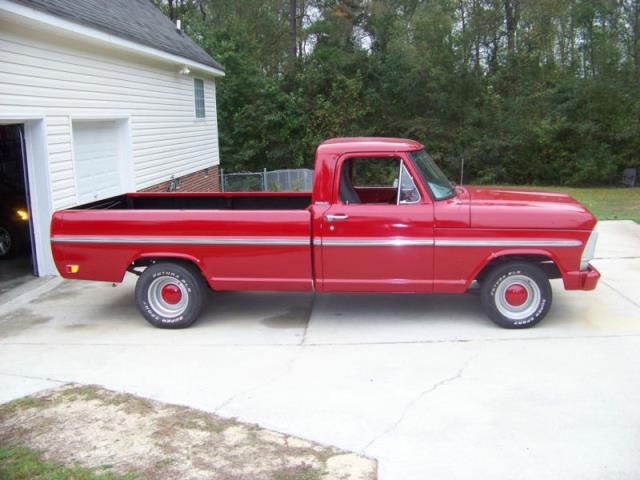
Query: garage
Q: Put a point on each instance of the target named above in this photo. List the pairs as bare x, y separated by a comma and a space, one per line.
94, 103
101, 168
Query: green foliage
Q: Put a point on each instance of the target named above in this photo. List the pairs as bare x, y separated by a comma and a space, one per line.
606, 203
375, 172
525, 91
24, 464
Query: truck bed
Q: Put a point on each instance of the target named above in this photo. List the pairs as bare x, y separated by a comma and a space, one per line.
240, 241
203, 201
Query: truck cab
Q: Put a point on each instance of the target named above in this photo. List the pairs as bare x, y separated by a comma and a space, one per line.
426, 234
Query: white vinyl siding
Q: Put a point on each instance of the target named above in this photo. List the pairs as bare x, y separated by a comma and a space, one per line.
42, 74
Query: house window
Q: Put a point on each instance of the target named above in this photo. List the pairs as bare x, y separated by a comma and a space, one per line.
198, 95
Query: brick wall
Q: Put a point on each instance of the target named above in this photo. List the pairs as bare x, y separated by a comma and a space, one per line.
206, 180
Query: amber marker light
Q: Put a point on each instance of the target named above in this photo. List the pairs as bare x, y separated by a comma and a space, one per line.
73, 268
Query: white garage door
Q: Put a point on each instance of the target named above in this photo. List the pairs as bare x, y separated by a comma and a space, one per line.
98, 157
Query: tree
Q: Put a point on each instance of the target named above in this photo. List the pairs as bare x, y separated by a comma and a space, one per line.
527, 91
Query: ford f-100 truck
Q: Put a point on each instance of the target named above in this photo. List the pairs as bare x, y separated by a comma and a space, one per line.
382, 217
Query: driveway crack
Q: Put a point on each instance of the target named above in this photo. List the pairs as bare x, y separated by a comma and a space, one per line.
620, 293
32, 377
287, 369
424, 393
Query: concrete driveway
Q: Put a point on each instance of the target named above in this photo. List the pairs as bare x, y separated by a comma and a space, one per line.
427, 385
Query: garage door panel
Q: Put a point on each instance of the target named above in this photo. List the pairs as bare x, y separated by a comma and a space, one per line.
98, 156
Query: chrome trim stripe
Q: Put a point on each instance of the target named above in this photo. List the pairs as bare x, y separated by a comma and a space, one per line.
352, 242
180, 240
334, 242
508, 243
374, 243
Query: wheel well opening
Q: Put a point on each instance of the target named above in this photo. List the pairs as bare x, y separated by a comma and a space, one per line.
137, 266
547, 265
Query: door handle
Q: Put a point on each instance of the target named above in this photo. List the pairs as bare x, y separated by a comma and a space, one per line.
339, 216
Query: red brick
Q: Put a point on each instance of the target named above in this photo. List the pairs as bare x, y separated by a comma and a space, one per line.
206, 180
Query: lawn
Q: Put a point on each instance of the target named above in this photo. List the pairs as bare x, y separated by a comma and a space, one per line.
25, 464
60, 434
606, 203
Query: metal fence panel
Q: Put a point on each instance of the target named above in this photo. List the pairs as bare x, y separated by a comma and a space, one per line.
288, 180
298, 180
242, 182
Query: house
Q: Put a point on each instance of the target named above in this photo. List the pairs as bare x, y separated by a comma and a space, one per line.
105, 97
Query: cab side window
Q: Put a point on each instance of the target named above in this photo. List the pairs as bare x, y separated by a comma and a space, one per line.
379, 172
376, 180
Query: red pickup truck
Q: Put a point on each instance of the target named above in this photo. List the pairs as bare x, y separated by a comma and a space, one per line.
382, 217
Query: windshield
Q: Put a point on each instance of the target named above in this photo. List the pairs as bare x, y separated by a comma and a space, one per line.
432, 176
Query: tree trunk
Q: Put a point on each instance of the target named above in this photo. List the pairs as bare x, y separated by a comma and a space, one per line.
293, 35
477, 40
635, 37
512, 16
464, 33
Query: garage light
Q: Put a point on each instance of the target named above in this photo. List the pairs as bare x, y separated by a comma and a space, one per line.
23, 214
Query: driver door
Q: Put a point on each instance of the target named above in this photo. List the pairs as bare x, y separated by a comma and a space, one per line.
377, 235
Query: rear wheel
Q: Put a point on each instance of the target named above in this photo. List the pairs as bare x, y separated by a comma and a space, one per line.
516, 295
170, 295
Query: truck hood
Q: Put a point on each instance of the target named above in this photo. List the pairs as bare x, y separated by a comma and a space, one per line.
513, 208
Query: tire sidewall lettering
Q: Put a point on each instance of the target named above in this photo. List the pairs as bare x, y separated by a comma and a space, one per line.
152, 312
541, 305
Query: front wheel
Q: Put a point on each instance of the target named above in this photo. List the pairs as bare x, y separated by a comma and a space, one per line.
170, 295
516, 295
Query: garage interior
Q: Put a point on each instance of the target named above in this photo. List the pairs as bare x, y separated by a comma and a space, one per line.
16, 263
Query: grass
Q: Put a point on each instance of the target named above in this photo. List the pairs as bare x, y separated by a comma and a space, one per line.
21, 404
129, 403
176, 438
19, 463
606, 203
298, 473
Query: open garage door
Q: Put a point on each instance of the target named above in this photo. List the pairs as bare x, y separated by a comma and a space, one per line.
25, 193
17, 256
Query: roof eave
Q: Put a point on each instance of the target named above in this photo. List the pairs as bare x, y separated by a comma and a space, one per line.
78, 30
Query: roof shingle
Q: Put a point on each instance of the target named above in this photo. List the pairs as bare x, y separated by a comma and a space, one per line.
136, 20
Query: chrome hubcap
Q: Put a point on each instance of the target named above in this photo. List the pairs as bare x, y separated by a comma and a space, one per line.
168, 297
517, 297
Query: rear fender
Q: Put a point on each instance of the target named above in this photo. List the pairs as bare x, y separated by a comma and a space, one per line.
158, 256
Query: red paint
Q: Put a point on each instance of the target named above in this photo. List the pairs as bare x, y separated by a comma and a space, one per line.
516, 295
582, 280
473, 215
171, 294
